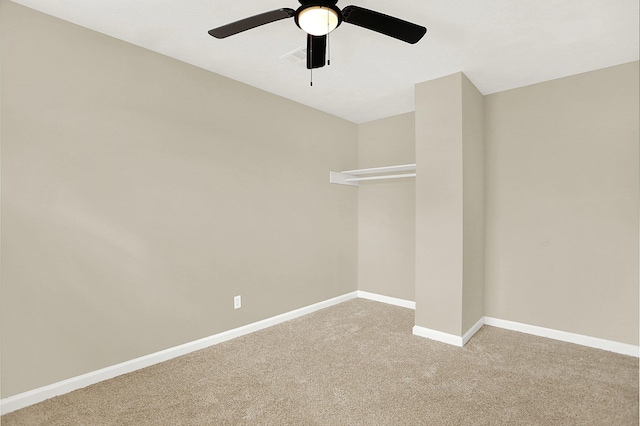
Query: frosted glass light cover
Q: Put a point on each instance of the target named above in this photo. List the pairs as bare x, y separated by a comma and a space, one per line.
318, 20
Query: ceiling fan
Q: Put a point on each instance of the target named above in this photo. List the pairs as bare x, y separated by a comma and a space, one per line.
319, 17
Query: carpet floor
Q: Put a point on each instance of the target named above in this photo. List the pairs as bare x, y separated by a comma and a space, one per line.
357, 363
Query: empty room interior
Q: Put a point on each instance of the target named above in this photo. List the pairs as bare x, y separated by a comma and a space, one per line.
450, 220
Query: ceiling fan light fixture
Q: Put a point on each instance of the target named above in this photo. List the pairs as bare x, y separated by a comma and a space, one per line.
318, 20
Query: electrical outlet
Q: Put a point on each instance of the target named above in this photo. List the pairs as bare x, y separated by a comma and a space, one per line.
237, 302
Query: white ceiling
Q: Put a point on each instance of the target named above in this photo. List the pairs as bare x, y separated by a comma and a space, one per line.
498, 44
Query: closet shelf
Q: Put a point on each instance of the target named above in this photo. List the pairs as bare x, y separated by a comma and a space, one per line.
352, 177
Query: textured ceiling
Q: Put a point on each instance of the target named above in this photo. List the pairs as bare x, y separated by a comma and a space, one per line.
498, 44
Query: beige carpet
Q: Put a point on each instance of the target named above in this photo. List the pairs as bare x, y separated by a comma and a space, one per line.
357, 363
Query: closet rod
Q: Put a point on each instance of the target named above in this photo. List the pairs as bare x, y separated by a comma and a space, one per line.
404, 175
386, 169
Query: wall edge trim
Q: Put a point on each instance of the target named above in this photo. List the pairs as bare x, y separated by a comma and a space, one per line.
438, 336
451, 339
565, 336
387, 299
473, 330
25, 399
34, 396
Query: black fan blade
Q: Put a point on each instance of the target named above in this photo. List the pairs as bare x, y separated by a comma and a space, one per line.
385, 24
316, 51
251, 22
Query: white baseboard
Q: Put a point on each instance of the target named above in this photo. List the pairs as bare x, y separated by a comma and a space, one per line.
564, 336
436, 335
473, 330
386, 299
451, 339
34, 396
592, 342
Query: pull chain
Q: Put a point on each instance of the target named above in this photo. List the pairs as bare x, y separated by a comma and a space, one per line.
328, 42
310, 53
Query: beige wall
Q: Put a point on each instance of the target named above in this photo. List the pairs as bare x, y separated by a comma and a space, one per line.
386, 209
473, 204
140, 194
449, 205
562, 204
439, 204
